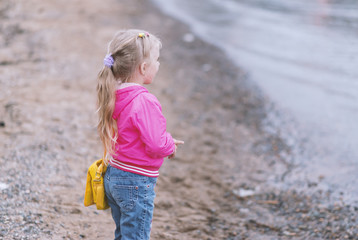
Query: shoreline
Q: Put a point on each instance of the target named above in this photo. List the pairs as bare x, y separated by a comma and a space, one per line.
298, 149
310, 141
267, 152
215, 187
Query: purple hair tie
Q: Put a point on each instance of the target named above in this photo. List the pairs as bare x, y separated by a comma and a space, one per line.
108, 61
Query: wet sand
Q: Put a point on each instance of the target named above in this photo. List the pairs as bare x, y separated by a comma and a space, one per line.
216, 187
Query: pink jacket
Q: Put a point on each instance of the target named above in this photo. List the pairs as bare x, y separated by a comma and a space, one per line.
143, 141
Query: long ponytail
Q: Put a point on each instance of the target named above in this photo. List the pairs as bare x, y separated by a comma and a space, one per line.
106, 97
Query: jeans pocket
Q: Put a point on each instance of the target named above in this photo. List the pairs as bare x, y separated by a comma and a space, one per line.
125, 196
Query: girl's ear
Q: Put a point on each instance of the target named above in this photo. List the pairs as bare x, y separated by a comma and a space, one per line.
142, 68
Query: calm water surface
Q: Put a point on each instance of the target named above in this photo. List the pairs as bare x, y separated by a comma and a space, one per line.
304, 55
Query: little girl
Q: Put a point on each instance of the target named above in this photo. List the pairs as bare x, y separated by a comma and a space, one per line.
133, 131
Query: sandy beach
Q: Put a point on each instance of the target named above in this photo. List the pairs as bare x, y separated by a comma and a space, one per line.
216, 187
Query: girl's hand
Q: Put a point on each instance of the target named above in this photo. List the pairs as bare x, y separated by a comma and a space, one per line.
176, 142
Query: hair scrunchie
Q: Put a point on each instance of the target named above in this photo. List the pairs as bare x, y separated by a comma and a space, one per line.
108, 61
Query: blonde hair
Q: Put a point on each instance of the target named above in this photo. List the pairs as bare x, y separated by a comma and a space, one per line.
129, 49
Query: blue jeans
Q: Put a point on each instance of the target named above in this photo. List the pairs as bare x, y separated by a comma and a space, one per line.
131, 198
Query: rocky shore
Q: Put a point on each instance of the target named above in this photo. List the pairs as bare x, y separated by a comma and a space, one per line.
217, 186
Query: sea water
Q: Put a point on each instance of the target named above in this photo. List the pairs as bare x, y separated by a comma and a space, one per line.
304, 55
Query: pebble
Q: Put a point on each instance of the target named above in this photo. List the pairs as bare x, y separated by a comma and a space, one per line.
243, 192
188, 37
206, 67
244, 210
3, 186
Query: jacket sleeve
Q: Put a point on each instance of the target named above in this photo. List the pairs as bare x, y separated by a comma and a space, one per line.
151, 124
